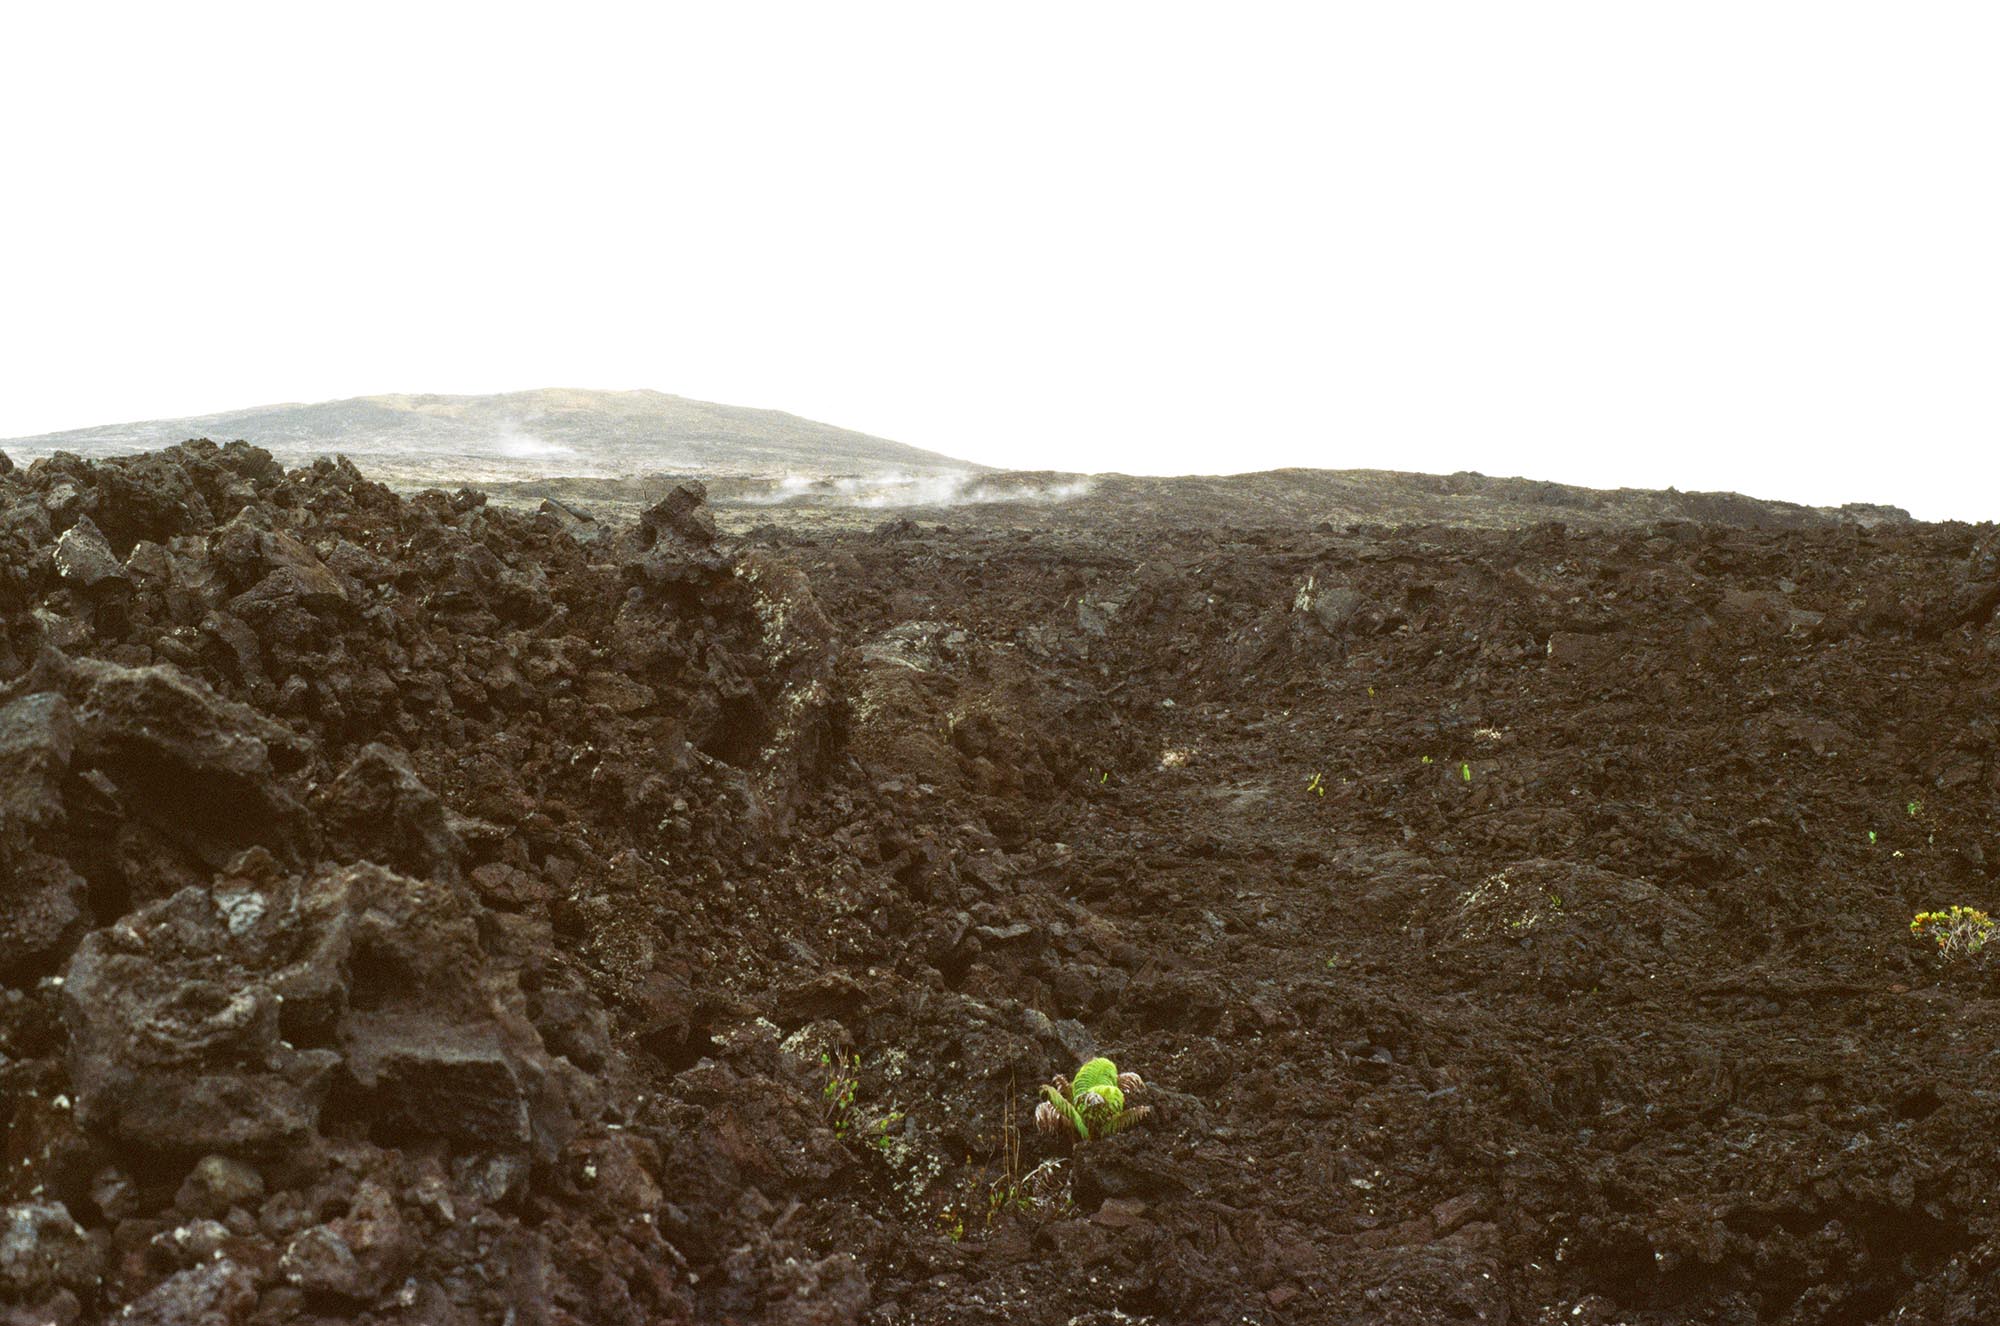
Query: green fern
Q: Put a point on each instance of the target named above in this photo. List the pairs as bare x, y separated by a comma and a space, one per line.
1093, 1103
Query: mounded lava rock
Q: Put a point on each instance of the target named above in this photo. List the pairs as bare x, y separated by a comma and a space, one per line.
414, 909
186, 1019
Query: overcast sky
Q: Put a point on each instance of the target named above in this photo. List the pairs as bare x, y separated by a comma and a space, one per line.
1711, 245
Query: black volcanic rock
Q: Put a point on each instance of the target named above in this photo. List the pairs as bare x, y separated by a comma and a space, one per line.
84, 558
682, 514
423, 910
183, 1019
174, 1026
379, 810
199, 767
37, 739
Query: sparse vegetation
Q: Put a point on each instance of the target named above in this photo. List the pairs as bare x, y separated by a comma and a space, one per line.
843, 1079
1958, 932
1045, 1187
1926, 819
951, 1223
880, 1132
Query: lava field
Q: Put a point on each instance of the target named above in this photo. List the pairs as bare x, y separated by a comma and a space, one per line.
423, 911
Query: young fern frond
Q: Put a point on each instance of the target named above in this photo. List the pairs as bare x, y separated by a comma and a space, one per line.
1055, 1110
1097, 1073
1093, 1104
1136, 1114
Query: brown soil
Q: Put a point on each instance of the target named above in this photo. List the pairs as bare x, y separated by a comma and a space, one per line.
415, 914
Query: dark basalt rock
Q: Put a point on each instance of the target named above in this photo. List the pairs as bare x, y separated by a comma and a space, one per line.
175, 1035
42, 908
37, 738
379, 810
183, 1018
200, 768
216, 1293
682, 515
408, 913
84, 558
44, 1252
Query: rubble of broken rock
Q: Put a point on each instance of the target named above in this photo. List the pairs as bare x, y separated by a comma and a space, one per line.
419, 911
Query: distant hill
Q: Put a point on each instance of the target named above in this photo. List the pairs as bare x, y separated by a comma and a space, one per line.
524, 434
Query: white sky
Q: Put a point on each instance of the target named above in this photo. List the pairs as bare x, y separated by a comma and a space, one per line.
1749, 245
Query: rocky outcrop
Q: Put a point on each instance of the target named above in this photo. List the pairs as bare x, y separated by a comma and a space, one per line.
330, 830
218, 1020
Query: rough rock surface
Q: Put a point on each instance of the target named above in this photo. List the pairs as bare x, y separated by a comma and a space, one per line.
416, 911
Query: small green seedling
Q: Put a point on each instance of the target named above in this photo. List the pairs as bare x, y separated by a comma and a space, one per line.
1871, 837
1093, 1103
1465, 772
880, 1132
1317, 784
843, 1078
